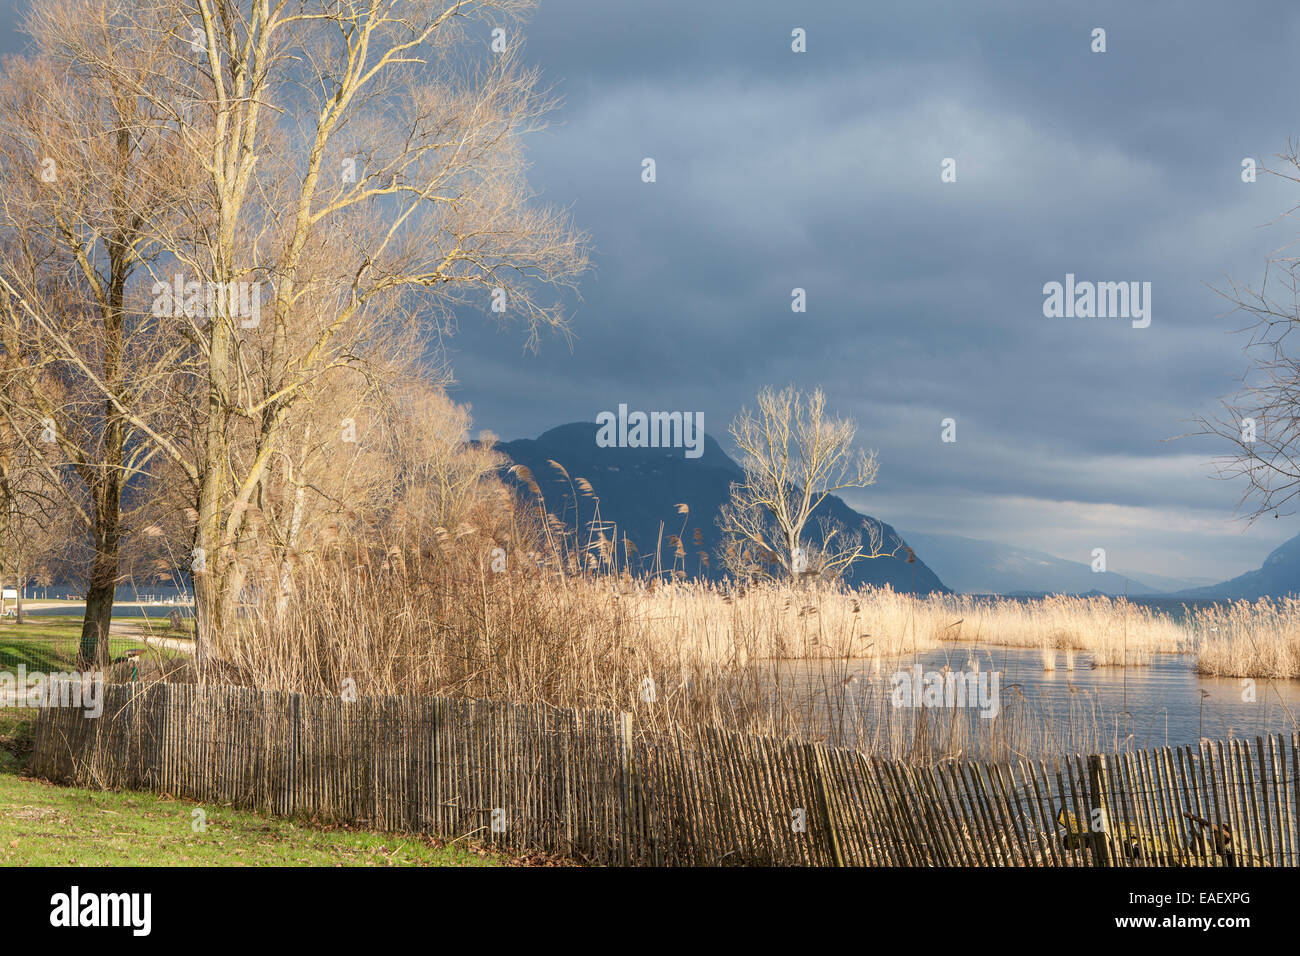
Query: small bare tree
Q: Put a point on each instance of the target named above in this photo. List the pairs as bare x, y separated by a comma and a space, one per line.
440, 477
1262, 420
794, 456
33, 513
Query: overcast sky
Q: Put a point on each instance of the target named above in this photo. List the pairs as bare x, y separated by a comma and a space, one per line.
821, 170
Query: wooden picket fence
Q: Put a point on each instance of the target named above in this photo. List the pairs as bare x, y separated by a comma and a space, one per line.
587, 784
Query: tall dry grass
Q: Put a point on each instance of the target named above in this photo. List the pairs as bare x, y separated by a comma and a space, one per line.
570, 622
767, 659
1111, 631
1249, 640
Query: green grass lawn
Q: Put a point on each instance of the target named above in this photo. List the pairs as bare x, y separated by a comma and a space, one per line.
49, 644
42, 824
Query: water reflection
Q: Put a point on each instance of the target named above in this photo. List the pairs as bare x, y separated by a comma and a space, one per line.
1075, 708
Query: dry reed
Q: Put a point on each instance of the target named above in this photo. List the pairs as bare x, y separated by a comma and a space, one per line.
1249, 640
764, 659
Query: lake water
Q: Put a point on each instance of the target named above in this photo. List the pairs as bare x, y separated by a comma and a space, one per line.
1164, 703
120, 609
124, 593
151, 600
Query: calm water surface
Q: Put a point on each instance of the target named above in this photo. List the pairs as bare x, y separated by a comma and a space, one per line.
1163, 703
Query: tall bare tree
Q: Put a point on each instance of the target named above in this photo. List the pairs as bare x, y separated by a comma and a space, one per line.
86, 176
794, 456
361, 167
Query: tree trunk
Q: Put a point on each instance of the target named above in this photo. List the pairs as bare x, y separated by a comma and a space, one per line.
99, 606
106, 485
99, 612
206, 613
101, 585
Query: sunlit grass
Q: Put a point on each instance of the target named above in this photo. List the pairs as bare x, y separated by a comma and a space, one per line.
50, 644
42, 824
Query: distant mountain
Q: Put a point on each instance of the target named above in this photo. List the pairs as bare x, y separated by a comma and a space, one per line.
639, 489
1164, 585
975, 566
1278, 577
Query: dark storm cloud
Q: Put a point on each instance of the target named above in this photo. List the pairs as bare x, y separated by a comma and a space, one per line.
821, 171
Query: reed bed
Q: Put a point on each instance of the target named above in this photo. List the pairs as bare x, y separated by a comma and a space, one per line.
1113, 632
762, 659
572, 619
794, 623
1244, 639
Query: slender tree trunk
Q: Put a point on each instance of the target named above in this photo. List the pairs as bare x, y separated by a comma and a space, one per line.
107, 481
101, 586
6, 526
792, 547
100, 589
210, 562
207, 617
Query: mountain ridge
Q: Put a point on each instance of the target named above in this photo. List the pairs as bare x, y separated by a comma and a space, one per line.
639, 489
1278, 576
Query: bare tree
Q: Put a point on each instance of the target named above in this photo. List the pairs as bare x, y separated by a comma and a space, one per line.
361, 167
794, 456
1261, 421
440, 477
33, 513
85, 176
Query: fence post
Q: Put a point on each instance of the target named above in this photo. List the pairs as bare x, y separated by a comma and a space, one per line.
1097, 785
293, 781
625, 785
824, 799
